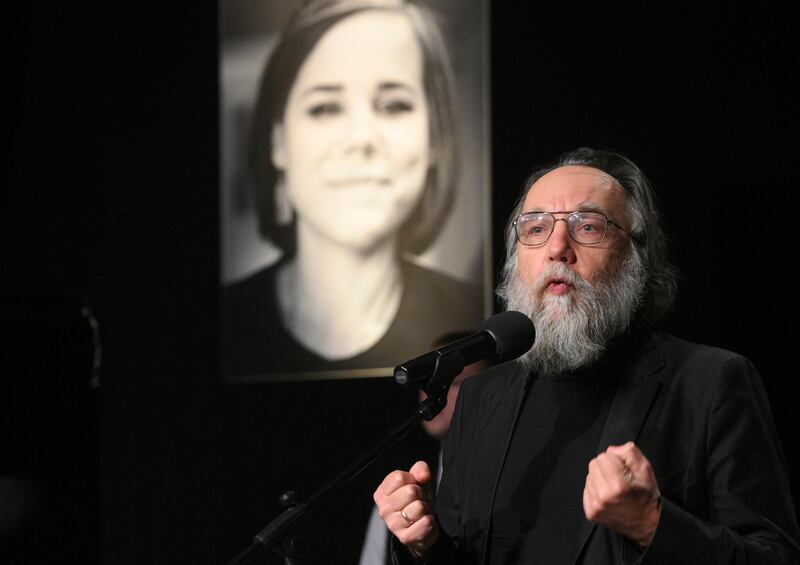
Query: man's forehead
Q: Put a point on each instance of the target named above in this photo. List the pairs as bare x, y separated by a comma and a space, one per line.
577, 184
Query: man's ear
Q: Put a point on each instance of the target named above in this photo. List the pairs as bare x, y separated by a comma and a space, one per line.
278, 146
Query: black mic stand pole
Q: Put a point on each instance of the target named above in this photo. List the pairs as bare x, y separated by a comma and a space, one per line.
448, 366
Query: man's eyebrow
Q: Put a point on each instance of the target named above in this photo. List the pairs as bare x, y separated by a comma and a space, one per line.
589, 206
585, 206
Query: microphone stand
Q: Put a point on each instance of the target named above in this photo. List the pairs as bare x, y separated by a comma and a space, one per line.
447, 367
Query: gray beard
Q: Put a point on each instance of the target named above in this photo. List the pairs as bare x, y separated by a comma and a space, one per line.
573, 330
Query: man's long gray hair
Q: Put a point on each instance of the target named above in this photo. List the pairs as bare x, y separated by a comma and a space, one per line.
640, 293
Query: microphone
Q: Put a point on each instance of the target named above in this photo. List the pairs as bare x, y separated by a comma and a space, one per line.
502, 337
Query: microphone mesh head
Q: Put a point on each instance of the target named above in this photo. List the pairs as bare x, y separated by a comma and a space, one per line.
512, 331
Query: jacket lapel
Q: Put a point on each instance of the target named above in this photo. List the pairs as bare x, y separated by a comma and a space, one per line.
506, 430
629, 410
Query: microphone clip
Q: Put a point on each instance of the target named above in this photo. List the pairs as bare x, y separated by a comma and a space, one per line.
447, 367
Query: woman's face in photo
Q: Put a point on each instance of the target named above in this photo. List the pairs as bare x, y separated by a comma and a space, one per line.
354, 141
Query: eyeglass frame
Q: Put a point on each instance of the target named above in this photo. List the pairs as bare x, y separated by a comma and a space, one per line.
568, 213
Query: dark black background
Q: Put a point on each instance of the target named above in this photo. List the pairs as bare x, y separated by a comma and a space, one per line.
112, 195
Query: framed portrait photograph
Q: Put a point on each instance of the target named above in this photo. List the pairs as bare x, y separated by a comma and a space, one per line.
354, 184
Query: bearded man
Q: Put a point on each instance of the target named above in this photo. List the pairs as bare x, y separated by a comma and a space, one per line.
609, 441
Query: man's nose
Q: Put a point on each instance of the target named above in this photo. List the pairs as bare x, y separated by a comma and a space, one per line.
560, 245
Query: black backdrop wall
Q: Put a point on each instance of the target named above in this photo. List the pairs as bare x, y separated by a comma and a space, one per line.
114, 198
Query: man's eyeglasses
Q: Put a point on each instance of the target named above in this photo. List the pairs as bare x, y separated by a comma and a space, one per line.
534, 229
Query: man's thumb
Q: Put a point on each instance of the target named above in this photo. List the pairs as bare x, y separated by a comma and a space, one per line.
421, 472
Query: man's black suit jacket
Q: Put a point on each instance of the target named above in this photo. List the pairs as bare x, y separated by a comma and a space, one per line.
702, 418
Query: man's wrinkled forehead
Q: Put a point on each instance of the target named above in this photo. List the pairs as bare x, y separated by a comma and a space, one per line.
574, 187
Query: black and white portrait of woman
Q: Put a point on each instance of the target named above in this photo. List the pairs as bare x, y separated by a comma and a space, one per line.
354, 209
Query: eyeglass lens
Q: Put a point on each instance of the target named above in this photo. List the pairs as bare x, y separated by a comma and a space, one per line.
584, 227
